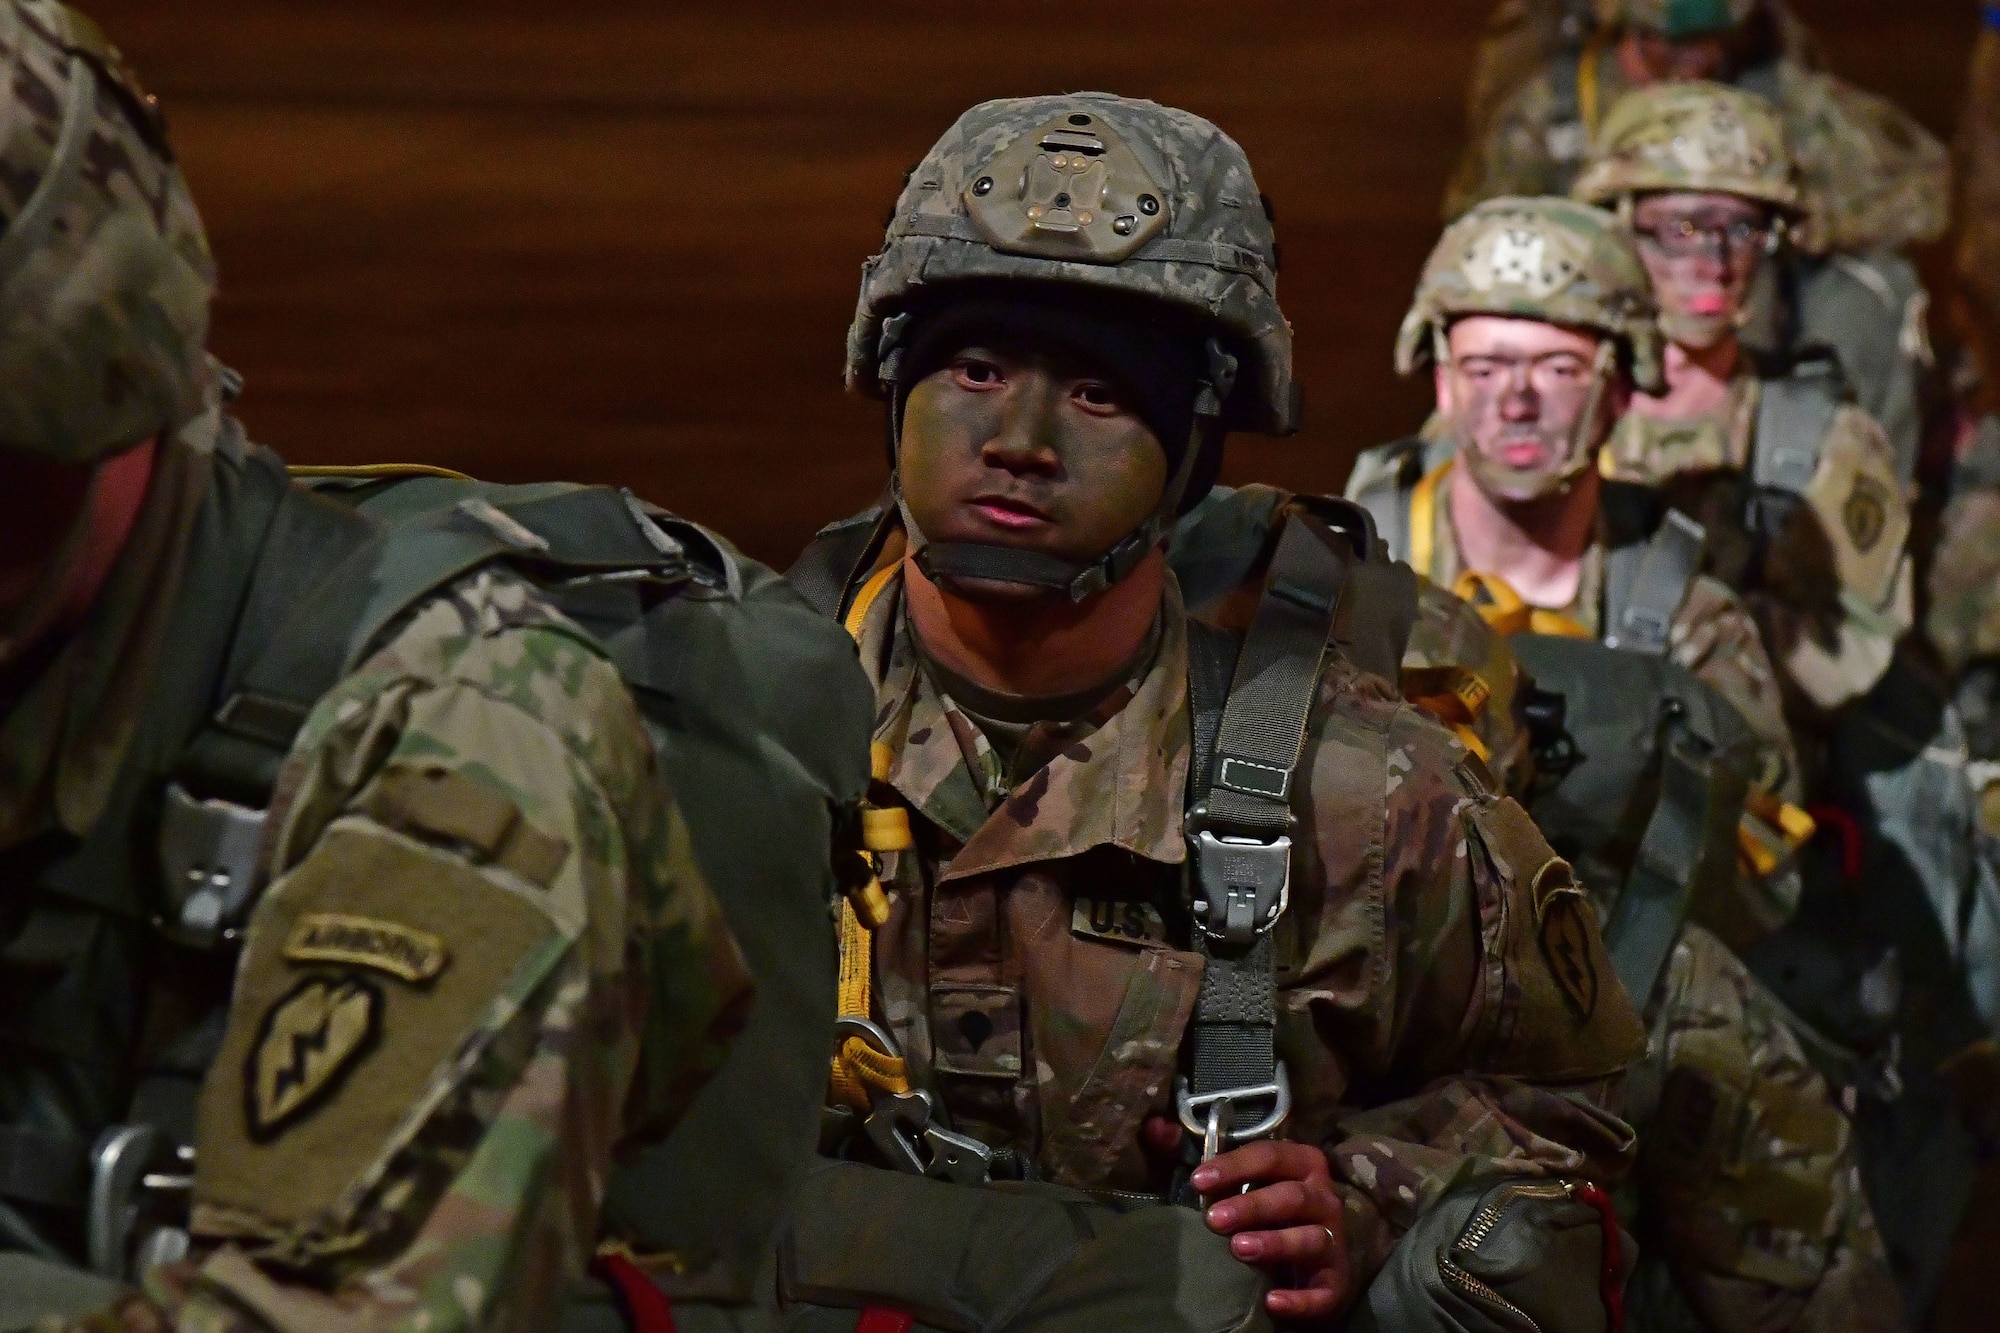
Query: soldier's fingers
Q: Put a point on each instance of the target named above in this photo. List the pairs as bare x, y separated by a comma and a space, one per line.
1271, 1159
1303, 1303
1306, 1248
1285, 1204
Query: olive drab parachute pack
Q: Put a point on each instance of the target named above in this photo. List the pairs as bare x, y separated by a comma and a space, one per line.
754, 704
286, 591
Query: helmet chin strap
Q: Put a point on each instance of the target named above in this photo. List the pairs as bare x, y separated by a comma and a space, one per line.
990, 562
1494, 478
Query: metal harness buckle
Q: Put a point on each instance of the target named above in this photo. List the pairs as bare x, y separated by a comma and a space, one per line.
901, 1124
1211, 1116
1243, 884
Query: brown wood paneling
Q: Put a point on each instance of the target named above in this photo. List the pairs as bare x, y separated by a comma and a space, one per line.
618, 241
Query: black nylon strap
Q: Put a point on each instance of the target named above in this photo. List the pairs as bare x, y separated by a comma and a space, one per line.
1688, 850
1647, 585
1277, 676
1243, 785
825, 571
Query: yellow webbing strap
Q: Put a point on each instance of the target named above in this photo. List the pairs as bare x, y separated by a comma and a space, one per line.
1423, 520
1495, 600
1587, 93
1455, 696
858, 1068
372, 471
1771, 829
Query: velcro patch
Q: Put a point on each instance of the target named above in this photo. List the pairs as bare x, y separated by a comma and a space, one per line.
337, 937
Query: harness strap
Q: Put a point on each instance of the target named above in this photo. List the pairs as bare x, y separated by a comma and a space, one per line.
1239, 834
1688, 850
1794, 417
1646, 584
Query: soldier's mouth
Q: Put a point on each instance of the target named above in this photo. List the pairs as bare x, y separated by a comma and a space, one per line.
1005, 511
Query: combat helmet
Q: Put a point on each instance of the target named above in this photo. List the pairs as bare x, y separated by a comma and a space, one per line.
105, 274
1678, 19
1106, 193
1547, 259
1706, 137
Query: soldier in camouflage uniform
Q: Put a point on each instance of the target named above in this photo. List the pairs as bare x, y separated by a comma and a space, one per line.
1700, 174
1871, 180
1747, 1184
480, 955
1075, 300
1537, 264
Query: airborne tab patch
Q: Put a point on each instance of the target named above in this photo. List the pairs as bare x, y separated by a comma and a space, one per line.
307, 1042
335, 937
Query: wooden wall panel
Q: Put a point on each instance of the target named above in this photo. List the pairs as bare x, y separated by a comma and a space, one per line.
618, 241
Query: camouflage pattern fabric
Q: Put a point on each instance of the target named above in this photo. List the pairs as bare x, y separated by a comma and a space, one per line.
1869, 176
1747, 1190
1963, 619
1547, 259
1198, 234
1835, 594
1703, 137
485, 960
105, 273
1032, 967
1713, 635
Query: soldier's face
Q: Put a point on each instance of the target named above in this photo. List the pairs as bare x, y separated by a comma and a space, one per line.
1011, 447
1702, 252
1515, 393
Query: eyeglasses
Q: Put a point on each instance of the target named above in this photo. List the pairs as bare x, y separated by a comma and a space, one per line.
1685, 238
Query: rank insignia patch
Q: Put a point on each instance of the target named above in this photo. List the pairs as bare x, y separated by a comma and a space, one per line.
387, 946
1566, 946
307, 1042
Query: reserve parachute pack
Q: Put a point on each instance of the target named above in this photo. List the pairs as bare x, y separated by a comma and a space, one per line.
288, 589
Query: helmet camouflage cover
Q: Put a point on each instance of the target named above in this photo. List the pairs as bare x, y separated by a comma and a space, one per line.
105, 275
1678, 18
1098, 191
1553, 260
1690, 136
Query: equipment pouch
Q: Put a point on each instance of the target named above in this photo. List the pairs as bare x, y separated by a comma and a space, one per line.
1013, 1257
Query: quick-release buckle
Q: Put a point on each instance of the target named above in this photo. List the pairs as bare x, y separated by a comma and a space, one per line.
903, 1127
1242, 883
1212, 1116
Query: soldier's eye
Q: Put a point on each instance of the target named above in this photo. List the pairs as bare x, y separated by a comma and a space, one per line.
977, 374
1099, 397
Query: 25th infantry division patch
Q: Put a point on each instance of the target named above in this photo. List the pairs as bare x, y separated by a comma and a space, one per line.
307, 1042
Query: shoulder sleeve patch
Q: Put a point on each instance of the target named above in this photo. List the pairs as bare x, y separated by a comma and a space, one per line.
1562, 1014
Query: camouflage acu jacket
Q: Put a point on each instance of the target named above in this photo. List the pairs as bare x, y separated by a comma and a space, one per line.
1712, 634
1834, 590
485, 957
1035, 965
